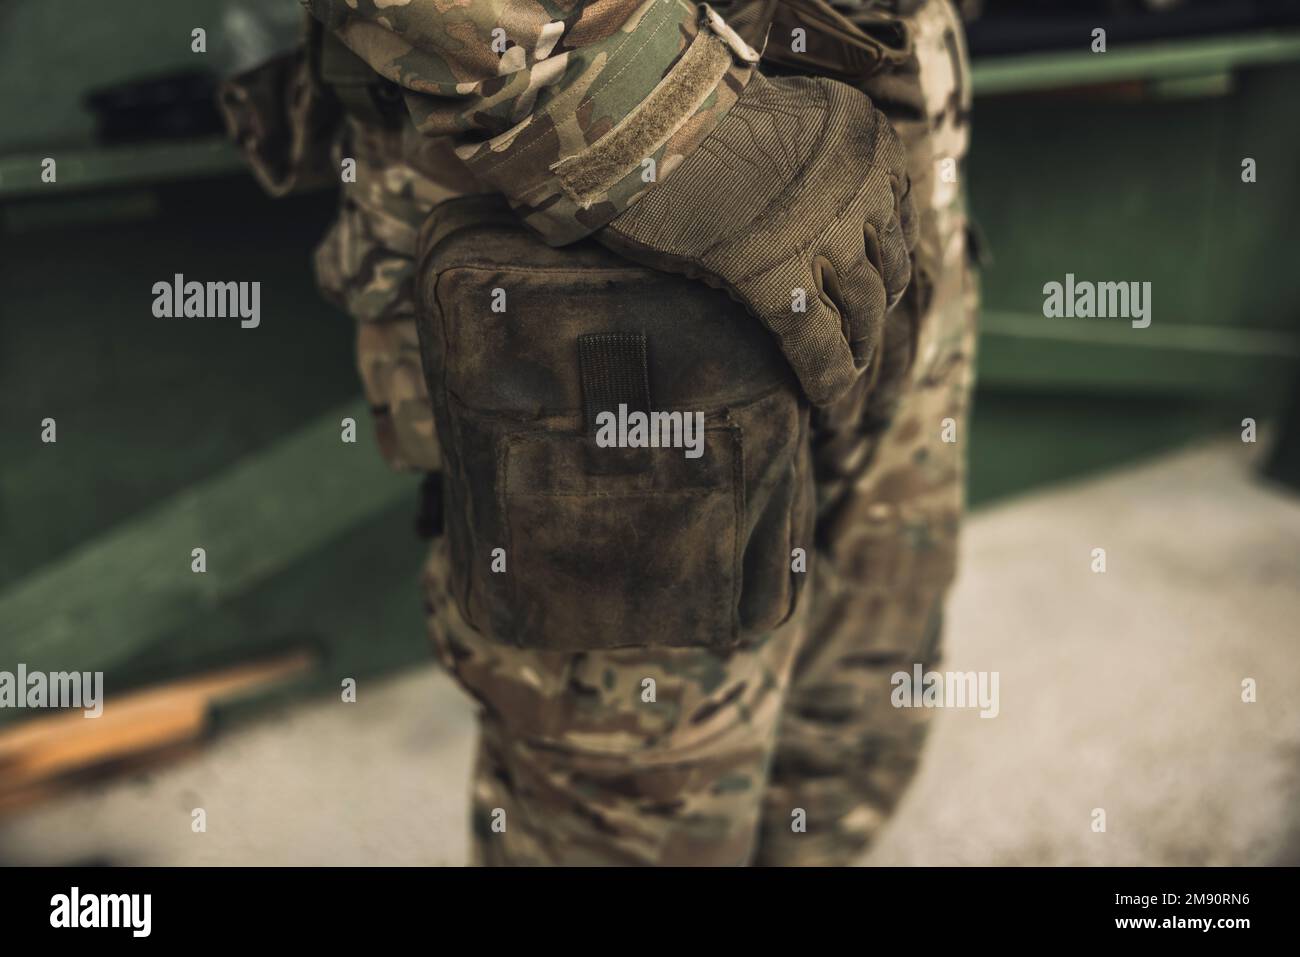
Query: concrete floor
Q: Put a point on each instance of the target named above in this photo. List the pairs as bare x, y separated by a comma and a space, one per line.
1119, 691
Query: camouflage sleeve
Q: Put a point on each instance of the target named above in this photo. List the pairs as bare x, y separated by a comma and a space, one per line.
570, 109
276, 115
366, 266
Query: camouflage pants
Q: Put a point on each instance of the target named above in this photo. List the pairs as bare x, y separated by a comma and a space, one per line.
784, 753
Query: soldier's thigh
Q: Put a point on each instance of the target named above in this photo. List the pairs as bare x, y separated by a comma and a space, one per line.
627, 756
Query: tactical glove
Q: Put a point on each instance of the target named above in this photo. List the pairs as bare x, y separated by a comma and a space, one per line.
797, 204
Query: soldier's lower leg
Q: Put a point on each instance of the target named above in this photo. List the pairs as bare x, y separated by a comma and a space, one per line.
581, 761
890, 492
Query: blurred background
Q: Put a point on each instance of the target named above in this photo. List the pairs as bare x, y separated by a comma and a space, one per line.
1120, 691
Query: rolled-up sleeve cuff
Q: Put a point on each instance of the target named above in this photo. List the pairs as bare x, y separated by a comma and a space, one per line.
634, 109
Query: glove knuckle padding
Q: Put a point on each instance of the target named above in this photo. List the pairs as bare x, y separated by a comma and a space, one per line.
863, 300
888, 253
908, 218
811, 338
819, 353
798, 171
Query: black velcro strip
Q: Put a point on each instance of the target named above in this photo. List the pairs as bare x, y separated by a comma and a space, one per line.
614, 372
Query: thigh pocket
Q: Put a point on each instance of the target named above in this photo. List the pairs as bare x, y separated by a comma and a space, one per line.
561, 542
618, 546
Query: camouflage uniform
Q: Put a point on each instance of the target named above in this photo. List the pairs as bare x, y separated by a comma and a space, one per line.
740, 745
365, 265
535, 81
890, 493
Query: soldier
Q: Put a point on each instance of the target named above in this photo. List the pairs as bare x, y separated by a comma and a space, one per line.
775, 744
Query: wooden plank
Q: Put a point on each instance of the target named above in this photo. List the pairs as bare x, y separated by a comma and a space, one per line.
36, 755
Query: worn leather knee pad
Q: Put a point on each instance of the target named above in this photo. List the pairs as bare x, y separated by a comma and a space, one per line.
626, 452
